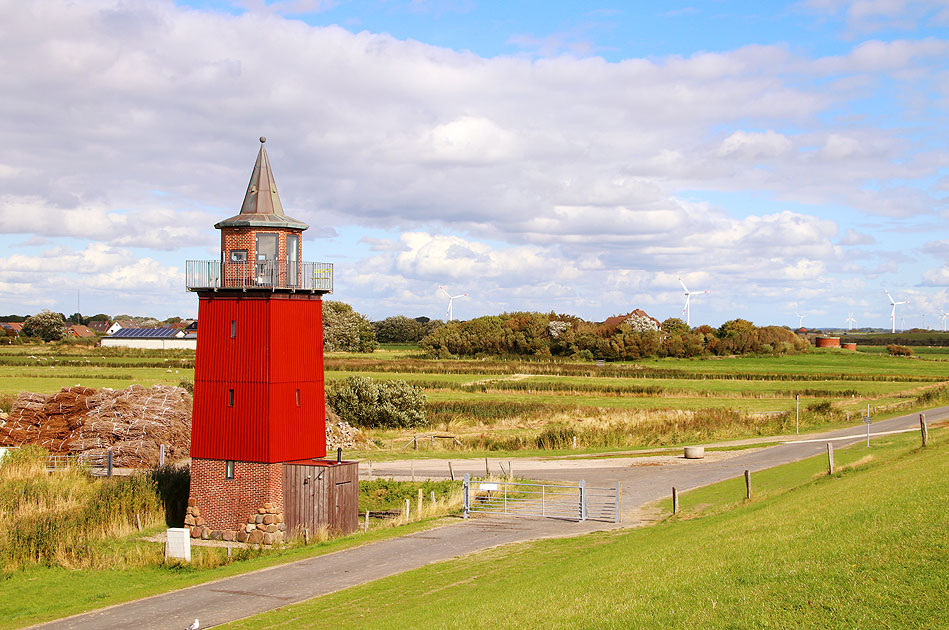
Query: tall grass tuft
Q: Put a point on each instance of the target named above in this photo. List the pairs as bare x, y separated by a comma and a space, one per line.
62, 518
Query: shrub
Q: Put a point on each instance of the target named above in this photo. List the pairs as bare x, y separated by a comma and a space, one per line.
346, 330
820, 407
361, 401
899, 351
45, 325
399, 329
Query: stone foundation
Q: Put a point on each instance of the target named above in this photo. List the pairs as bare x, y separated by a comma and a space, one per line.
265, 527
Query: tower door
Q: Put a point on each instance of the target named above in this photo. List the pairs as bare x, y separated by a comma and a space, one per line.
267, 248
293, 259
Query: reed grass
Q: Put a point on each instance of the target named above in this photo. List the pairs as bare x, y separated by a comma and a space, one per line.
59, 519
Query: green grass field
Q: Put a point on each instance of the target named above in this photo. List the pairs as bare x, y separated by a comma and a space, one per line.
509, 398
865, 548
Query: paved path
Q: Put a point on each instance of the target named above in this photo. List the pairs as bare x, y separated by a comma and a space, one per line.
241, 596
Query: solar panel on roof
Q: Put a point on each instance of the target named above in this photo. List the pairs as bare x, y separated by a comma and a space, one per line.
146, 332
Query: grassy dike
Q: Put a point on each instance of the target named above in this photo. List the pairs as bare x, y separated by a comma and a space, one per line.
862, 549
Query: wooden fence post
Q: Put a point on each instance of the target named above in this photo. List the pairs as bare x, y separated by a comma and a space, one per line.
487, 472
433, 499
412, 465
675, 500
830, 458
747, 484
407, 512
451, 473
923, 429
419, 504
366, 527
510, 471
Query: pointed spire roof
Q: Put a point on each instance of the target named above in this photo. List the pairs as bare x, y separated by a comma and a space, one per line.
262, 207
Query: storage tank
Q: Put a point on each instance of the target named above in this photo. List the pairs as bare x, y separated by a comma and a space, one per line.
849, 346
828, 342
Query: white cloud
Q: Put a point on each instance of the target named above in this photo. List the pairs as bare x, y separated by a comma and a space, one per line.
852, 237
839, 147
746, 144
535, 176
938, 277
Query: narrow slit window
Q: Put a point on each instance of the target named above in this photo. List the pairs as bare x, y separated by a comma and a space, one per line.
230, 398
298, 398
233, 328
229, 469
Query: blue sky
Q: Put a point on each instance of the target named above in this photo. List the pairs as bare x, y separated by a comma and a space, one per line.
789, 156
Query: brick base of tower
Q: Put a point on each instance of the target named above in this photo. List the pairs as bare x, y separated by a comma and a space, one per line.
247, 508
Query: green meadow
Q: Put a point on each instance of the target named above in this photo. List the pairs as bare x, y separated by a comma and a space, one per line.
506, 405
864, 548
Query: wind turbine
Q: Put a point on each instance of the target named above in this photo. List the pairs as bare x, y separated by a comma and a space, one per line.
800, 320
687, 310
451, 299
894, 304
944, 316
850, 321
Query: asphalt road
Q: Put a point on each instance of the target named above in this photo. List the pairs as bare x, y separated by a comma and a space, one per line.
241, 596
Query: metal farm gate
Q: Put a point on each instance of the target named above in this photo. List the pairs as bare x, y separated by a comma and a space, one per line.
577, 502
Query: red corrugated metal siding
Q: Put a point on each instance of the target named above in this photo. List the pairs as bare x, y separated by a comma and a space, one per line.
278, 349
241, 432
300, 431
296, 329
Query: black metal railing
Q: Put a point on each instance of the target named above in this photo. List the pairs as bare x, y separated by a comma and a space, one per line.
269, 274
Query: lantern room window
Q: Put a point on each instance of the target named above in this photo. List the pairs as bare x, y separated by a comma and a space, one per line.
230, 398
233, 329
229, 469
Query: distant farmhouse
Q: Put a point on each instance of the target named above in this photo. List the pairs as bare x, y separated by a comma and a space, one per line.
11, 329
638, 320
79, 331
101, 326
154, 338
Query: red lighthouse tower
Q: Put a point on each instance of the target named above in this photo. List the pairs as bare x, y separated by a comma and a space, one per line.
259, 422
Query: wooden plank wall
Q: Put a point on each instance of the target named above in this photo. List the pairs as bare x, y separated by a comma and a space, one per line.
312, 500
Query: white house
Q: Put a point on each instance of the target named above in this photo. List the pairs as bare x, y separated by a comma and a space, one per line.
155, 338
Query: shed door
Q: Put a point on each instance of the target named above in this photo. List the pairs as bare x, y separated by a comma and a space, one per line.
342, 505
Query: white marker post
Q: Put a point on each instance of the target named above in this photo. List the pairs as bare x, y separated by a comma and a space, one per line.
868, 420
797, 414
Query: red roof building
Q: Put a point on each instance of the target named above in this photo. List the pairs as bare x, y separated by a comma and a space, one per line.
100, 325
78, 330
12, 328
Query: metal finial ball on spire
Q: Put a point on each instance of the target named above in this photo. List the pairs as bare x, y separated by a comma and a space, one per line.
263, 139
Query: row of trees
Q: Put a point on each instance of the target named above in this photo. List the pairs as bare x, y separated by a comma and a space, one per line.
523, 334
539, 334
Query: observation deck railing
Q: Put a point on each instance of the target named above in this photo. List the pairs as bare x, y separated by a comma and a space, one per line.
204, 275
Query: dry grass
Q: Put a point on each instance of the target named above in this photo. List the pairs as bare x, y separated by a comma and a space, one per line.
62, 518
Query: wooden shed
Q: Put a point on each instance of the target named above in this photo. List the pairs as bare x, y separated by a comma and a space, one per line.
321, 492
